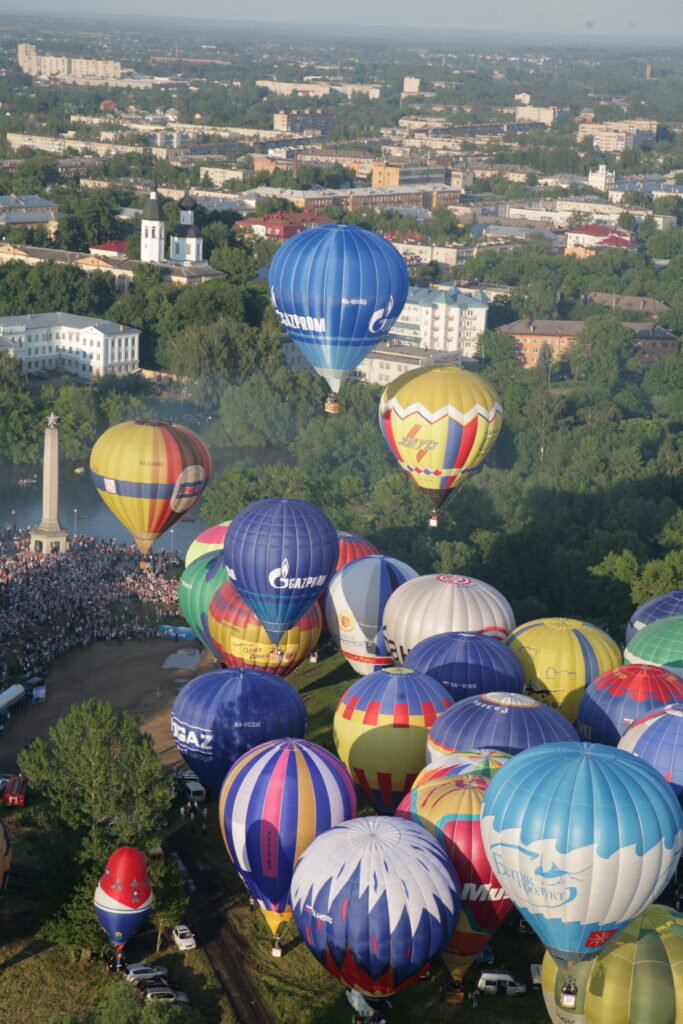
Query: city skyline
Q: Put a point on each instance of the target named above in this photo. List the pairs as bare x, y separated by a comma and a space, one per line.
586, 18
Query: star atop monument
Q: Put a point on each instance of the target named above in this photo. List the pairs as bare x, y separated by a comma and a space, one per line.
52, 420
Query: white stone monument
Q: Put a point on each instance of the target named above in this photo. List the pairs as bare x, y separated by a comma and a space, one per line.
49, 536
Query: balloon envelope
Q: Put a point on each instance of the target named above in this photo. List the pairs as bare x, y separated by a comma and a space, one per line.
196, 588
467, 664
443, 603
560, 658
658, 739
637, 978
660, 643
618, 698
123, 897
149, 473
354, 606
280, 553
440, 422
583, 837
375, 900
380, 729
450, 808
337, 291
240, 639
211, 539
351, 547
661, 607
220, 715
509, 722
483, 762
275, 800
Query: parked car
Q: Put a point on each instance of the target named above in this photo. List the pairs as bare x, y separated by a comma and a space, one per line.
14, 793
183, 937
500, 983
143, 972
165, 994
195, 791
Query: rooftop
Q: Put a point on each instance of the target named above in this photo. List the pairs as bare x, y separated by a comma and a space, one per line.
41, 321
447, 297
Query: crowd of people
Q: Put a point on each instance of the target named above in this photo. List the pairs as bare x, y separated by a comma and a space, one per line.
52, 603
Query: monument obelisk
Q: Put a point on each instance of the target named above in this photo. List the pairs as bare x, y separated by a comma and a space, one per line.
50, 537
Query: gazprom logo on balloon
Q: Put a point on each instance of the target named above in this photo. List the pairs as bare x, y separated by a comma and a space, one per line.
281, 580
380, 322
189, 736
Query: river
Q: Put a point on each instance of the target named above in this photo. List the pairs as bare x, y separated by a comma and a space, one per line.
80, 508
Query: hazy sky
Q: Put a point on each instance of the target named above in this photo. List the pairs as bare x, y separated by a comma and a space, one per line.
632, 18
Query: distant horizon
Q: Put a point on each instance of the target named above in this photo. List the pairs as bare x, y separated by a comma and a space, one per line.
608, 24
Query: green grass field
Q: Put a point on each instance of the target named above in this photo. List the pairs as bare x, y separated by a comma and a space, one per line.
38, 980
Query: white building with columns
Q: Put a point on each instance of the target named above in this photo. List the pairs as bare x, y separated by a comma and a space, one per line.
84, 346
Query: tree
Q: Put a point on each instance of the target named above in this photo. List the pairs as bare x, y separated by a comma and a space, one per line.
627, 221
102, 776
603, 351
170, 896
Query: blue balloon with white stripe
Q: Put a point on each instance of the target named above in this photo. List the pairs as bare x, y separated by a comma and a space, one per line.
502, 721
467, 664
658, 739
337, 291
660, 607
220, 715
583, 838
376, 901
280, 554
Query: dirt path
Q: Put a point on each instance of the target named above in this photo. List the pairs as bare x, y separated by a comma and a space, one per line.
129, 676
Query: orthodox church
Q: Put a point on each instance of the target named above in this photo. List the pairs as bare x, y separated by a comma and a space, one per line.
185, 242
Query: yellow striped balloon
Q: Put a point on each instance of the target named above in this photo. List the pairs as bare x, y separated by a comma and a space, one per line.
560, 658
440, 423
149, 473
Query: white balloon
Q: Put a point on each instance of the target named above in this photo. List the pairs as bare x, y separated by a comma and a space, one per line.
354, 605
443, 603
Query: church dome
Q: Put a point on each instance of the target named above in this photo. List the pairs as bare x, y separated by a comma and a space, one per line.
186, 231
152, 209
188, 202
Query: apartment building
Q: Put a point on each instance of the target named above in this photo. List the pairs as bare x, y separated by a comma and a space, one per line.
47, 65
618, 136
651, 342
86, 347
303, 121
540, 115
442, 319
385, 175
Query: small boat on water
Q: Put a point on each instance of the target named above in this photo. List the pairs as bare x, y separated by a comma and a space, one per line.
79, 469
188, 518
28, 481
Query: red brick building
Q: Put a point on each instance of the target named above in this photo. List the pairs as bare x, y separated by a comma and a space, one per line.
651, 341
284, 223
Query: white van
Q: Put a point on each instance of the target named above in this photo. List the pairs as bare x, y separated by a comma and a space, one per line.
500, 983
535, 972
195, 791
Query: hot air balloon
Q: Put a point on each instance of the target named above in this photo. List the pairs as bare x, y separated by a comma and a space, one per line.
354, 607
661, 607
467, 664
380, 728
352, 547
658, 739
5, 856
505, 721
450, 808
240, 640
560, 658
196, 588
280, 553
375, 901
483, 762
660, 643
443, 603
149, 473
124, 895
618, 698
337, 291
275, 800
440, 422
220, 715
583, 837
637, 977
211, 539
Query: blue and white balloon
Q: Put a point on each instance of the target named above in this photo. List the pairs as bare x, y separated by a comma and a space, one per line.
583, 838
467, 664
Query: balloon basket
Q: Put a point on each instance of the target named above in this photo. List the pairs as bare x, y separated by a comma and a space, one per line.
434, 519
332, 404
276, 951
568, 993
455, 994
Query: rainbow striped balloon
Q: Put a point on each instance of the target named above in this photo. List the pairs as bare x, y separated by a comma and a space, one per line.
275, 800
380, 730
